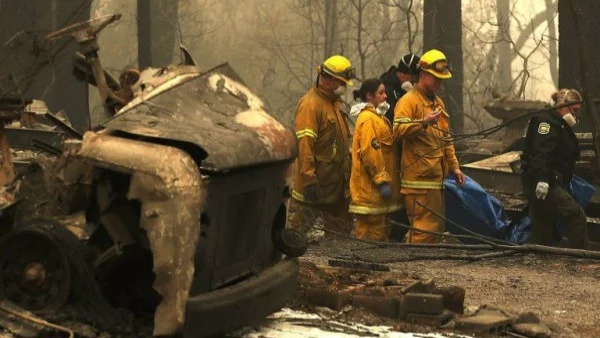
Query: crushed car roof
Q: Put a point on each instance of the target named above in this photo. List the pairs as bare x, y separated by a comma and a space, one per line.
213, 111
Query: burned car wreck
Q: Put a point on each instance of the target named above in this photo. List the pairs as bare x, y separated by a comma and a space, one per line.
174, 207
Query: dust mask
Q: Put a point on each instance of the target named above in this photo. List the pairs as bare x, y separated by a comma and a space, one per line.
382, 108
407, 86
339, 91
570, 120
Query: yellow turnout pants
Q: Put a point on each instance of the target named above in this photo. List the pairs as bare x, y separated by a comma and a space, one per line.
372, 227
420, 207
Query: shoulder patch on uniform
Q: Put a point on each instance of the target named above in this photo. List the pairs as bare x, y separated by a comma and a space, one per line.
375, 143
544, 128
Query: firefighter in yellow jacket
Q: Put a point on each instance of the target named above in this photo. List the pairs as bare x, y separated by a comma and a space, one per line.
374, 181
322, 170
421, 122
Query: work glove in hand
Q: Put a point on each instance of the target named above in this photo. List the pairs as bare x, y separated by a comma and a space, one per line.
385, 190
311, 191
541, 190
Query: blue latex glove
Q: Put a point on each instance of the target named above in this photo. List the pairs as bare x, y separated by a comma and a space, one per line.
385, 190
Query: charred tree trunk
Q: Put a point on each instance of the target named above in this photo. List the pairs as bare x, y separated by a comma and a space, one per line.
442, 29
552, 40
144, 33
503, 45
165, 31
158, 27
330, 27
577, 64
578, 69
360, 9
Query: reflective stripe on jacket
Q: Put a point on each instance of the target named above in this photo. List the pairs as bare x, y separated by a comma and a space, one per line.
428, 153
323, 143
374, 161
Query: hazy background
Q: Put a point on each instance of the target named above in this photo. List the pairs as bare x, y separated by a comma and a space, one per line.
507, 46
499, 48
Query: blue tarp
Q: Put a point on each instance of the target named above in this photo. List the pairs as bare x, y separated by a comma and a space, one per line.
473, 208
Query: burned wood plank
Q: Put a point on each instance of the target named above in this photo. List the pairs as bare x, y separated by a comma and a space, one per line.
358, 265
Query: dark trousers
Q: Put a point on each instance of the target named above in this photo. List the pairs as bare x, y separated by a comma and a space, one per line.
558, 203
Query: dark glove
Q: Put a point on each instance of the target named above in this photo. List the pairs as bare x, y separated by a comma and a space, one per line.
385, 190
310, 192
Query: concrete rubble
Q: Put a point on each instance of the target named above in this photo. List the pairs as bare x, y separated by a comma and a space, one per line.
533, 330
484, 320
332, 293
403, 301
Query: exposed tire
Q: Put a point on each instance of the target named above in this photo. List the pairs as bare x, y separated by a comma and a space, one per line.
35, 272
291, 242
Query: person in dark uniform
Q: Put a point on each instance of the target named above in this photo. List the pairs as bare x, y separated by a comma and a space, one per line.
548, 160
399, 80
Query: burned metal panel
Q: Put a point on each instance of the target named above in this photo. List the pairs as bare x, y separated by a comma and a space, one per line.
27, 138
240, 213
215, 113
168, 185
496, 173
500, 163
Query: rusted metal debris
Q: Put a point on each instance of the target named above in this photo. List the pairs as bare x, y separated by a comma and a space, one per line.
168, 184
128, 206
231, 114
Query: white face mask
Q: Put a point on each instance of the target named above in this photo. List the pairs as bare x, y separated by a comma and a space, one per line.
570, 119
382, 108
339, 91
407, 86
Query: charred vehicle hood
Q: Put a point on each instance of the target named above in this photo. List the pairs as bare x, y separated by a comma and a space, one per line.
212, 111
